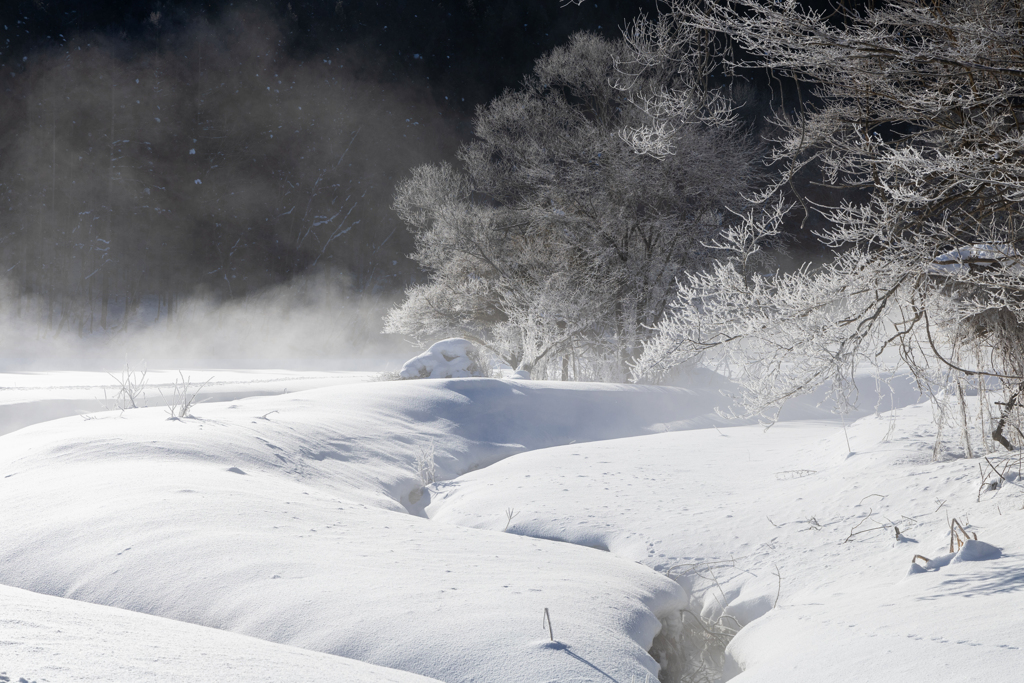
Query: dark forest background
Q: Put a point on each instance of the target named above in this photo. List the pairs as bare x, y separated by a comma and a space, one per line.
152, 150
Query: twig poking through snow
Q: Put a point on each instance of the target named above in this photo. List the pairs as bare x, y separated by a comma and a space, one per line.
954, 535
994, 468
854, 532
812, 524
778, 591
184, 397
510, 514
131, 387
426, 468
794, 474
849, 448
547, 619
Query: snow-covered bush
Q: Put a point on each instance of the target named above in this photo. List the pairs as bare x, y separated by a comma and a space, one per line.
557, 246
446, 359
915, 126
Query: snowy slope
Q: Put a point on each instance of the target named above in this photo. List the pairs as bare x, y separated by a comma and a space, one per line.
285, 518
302, 519
27, 398
54, 639
749, 520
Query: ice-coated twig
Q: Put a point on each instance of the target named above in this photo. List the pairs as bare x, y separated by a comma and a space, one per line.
184, 397
426, 467
131, 387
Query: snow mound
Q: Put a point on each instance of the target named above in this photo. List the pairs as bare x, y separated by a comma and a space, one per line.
288, 518
152, 515
976, 551
447, 359
54, 639
771, 534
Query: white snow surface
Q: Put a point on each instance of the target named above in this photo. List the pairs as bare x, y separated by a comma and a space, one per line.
54, 639
446, 359
26, 387
285, 518
296, 530
30, 397
1004, 256
760, 526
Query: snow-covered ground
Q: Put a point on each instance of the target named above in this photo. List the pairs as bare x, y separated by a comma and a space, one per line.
30, 397
55, 639
427, 526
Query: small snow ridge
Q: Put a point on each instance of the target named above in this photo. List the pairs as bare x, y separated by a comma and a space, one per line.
976, 551
449, 358
971, 551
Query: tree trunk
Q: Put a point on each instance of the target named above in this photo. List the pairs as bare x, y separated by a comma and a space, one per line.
104, 300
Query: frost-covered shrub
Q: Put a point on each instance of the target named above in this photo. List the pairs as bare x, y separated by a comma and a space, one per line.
914, 128
446, 359
555, 245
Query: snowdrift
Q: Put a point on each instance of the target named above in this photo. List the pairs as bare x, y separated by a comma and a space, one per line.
309, 520
27, 398
791, 534
53, 639
447, 359
286, 518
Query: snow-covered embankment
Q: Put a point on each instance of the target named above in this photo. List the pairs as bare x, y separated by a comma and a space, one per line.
285, 518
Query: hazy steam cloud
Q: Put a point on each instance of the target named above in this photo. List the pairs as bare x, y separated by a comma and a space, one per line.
312, 321
144, 186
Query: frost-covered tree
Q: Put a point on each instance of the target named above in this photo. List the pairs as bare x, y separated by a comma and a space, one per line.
557, 245
915, 112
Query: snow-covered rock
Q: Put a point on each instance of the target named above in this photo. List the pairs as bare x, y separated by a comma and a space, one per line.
447, 359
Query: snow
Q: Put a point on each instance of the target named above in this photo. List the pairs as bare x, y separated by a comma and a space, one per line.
30, 397
285, 518
965, 259
446, 359
748, 520
53, 639
27, 387
296, 534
